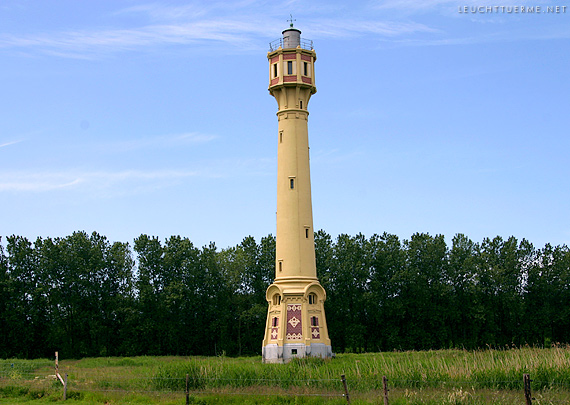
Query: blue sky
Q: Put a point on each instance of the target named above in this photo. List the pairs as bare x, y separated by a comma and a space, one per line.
127, 117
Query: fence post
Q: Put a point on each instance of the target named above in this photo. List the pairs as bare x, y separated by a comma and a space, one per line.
57, 368
385, 385
343, 378
526, 385
187, 391
65, 388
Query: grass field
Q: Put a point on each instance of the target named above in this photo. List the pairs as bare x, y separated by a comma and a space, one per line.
431, 377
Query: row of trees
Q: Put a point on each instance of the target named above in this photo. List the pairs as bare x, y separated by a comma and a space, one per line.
85, 296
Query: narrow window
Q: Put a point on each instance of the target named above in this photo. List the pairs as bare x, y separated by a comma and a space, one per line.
292, 183
289, 67
301, 104
280, 137
275, 70
275, 322
307, 233
305, 68
312, 298
280, 266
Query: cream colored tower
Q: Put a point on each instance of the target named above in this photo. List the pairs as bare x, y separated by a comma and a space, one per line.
296, 325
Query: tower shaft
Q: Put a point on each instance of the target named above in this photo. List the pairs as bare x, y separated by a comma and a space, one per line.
295, 250
296, 324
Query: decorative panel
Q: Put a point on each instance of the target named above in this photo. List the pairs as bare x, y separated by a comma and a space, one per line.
315, 334
294, 325
274, 333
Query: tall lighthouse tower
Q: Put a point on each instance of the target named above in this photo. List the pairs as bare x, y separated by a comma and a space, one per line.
296, 324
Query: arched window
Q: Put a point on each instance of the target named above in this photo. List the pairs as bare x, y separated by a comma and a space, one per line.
312, 298
276, 299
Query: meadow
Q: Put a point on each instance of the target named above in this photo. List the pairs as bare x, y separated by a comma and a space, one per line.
422, 377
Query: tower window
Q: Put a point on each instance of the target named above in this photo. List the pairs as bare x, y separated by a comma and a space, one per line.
292, 183
280, 265
314, 321
312, 298
276, 300
281, 137
301, 104
275, 69
289, 67
305, 69
307, 233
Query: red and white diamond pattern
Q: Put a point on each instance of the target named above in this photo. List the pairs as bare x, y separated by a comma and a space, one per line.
294, 325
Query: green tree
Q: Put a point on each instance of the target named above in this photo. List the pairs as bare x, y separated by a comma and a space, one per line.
348, 292
547, 312
5, 298
26, 312
386, 259
424, 293
467, 312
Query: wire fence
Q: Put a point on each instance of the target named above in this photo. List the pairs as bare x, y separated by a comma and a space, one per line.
77, 380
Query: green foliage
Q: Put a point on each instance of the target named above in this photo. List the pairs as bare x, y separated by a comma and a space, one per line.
84, 296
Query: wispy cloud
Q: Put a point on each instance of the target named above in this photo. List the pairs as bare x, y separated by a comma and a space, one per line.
50, 181
9, 143
129, 181
161, 12
90, 44
246, 24
164, 141
355, 28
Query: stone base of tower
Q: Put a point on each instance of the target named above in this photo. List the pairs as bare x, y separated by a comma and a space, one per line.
296, 324
273, 353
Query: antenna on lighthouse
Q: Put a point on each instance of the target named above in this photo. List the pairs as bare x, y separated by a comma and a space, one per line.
291, 20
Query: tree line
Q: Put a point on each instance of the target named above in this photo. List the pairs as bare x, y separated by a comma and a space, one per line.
85, 296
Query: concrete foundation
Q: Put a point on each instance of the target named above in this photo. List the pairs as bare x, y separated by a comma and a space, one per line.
273, 353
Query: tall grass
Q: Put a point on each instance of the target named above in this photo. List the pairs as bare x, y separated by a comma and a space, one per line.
458, 373
492, 369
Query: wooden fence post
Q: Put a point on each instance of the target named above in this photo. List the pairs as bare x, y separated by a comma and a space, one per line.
57, 368
65, 388
526, 385
385, 385
343, 378
187, 391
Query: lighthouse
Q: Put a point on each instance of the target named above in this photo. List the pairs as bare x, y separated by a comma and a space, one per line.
296, 324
